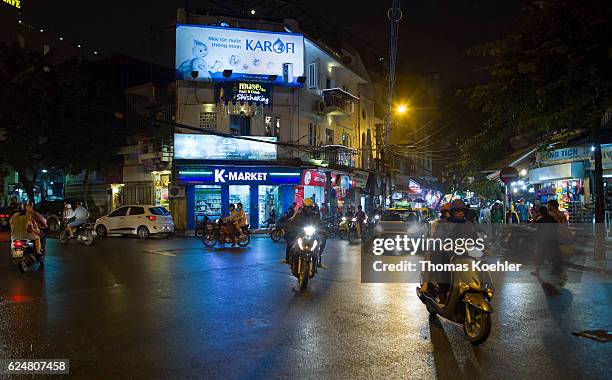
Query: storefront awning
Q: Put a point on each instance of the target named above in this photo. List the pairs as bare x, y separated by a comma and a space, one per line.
520, 157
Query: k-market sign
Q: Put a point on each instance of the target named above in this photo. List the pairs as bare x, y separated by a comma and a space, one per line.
231, 175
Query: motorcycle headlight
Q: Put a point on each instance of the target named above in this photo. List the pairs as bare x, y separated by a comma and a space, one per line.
309, 230
354, 220
344, 218
300, 243
377, 217
314, 244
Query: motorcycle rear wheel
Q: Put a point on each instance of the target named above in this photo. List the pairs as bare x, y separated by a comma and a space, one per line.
63, 237
88, 238
478, 330
244, 241
276, 235
209, 240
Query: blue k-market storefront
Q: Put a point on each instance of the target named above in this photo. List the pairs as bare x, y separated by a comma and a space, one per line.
209, 189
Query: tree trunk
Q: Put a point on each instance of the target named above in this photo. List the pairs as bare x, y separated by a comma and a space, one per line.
27, 184
86, 186
599, 245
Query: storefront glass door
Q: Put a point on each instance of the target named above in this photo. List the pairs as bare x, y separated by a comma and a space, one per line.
268, 199
207, 202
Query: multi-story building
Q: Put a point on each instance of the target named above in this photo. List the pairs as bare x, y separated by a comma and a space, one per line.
267, 116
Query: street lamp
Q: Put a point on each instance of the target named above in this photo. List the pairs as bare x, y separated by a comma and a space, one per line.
402, 108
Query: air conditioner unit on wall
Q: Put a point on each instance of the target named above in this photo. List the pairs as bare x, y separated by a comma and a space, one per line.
318, 106
175, 191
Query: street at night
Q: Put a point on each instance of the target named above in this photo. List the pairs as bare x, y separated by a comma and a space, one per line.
174, 309
288, 189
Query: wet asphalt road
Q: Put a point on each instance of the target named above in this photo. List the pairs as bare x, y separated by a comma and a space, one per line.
172, 309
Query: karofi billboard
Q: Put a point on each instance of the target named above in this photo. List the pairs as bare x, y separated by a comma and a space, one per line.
204, 52
211, 147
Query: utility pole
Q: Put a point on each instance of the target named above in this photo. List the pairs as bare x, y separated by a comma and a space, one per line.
394, 14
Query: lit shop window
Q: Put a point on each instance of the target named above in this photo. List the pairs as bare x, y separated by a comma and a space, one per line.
208, 121
313, 75
272, 125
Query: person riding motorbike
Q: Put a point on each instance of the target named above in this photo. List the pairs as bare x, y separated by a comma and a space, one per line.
361, 216
230, 224
242, 219
80, 217
457, 226
305, 216
23, 228
41, 224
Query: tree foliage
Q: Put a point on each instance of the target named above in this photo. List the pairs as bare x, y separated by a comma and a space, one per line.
553, 73
59, 115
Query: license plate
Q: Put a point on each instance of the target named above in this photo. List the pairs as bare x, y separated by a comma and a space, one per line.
17, 253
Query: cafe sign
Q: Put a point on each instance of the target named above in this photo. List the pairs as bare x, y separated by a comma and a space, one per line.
14, 3
245, 92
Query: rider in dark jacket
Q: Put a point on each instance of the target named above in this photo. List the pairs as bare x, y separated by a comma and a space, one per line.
305, 216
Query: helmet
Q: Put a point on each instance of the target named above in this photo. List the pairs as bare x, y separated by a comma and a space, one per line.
457, 204
446, 206
308, 202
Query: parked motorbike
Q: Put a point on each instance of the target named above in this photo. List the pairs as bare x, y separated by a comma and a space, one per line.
466, 299
24, 256
305, 256
199, 231
215, 233
276, 233
83, 234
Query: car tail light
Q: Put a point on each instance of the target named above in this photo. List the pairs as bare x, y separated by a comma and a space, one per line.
17, 244
3, 216
151, 217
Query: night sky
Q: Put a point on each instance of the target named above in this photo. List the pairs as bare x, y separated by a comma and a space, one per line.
433, 33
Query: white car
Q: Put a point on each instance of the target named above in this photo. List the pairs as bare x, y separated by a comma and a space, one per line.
140, 220
399, 221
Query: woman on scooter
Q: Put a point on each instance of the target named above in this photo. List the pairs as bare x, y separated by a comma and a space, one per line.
457, 226
22, 228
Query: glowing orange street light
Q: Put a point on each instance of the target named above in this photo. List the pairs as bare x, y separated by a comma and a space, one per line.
402, 109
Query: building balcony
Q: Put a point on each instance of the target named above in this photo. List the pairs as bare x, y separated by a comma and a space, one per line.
338, 102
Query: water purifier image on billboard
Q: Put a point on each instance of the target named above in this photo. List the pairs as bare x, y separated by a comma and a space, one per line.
209, 147
204, 52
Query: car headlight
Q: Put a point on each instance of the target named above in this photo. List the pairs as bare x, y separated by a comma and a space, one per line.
309, 230
377, 217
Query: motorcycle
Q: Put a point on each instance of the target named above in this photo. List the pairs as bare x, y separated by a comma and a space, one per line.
343, 228
352, 231
82, 234
214, 234
276, 233
305, 256
24, 256
199, 231
466, 299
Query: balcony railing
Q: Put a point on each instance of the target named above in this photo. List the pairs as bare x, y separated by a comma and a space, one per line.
339, 102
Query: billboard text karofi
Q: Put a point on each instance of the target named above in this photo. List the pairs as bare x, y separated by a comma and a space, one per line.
277, 47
